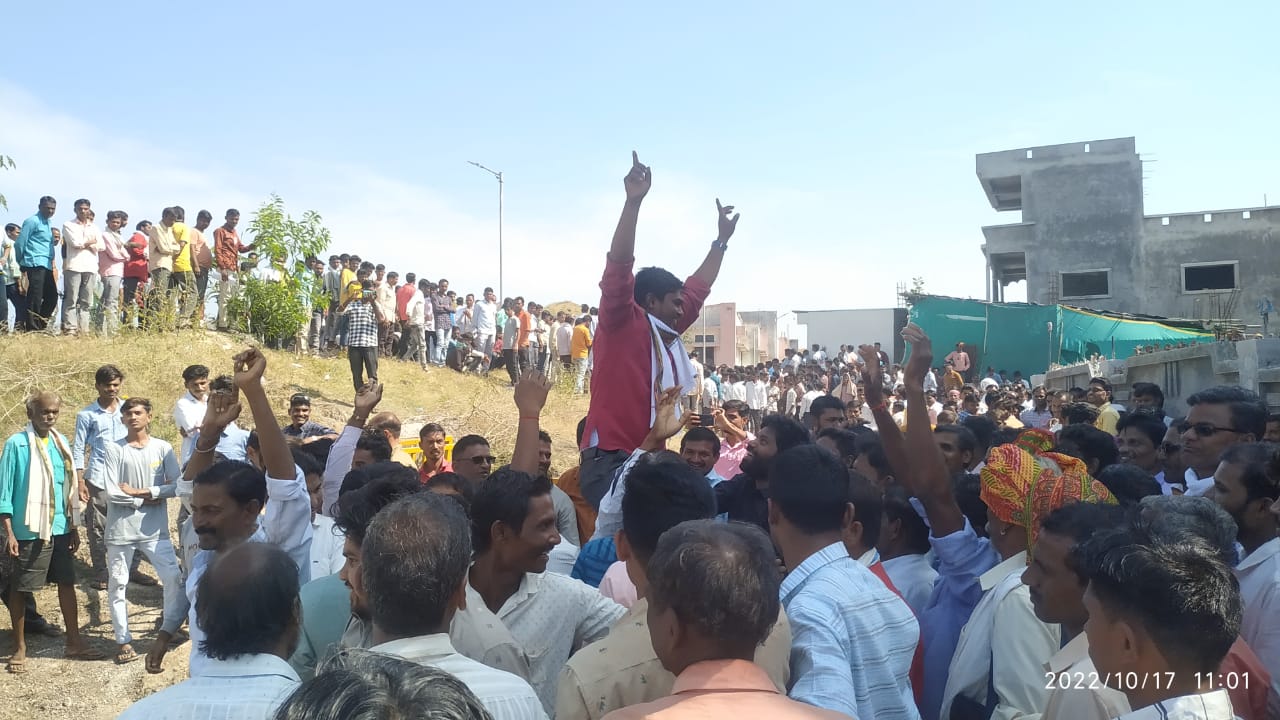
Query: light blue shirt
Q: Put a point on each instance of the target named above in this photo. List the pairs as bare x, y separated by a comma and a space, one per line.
245, 687
35, 243
852, 639
95, 429
962, 558
15, 483
231, 445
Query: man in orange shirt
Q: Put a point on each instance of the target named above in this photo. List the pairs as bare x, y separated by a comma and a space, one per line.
522, 338
731, 567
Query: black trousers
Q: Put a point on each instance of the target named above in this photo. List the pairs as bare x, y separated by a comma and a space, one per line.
42, 297
510, 357
363, 359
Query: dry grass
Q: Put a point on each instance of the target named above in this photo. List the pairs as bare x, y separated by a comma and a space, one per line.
153, 366
60, 689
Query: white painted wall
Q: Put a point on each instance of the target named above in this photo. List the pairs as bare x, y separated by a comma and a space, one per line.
833, 328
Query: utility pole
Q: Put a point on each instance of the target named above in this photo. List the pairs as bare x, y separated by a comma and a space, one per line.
497, 175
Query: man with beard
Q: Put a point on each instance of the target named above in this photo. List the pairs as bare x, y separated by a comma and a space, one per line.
1247, 485
514, 531
742, 498
227, 499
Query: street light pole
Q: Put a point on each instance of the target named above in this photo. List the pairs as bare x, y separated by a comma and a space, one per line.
497, 175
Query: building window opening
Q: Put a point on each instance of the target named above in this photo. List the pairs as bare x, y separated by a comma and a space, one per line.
1207, 278
1087, 283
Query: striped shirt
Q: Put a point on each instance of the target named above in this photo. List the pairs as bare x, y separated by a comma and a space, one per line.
504, 695
852, 639
362, 326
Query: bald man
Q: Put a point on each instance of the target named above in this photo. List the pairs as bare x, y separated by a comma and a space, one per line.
389, 424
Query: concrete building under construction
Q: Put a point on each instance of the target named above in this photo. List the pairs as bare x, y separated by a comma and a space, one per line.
1085, 240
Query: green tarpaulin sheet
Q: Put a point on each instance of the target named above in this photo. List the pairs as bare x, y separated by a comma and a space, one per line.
1029, 338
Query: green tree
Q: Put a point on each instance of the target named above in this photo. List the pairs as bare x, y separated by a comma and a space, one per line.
275, 311
6, 163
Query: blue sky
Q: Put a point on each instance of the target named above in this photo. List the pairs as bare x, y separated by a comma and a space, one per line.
843, 132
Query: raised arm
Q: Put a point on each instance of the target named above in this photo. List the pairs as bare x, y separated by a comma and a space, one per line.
344, 448
223, 410
276, 456
710, 268
895, 448
637, 183
531, 397
932, 481
665, 423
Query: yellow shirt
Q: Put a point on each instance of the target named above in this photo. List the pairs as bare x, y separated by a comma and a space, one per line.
182, 261
350, 288
581, 342
1107, 419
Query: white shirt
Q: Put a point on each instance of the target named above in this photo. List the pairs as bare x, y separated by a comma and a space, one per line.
82, 246
552, 616
326, 547
188, 413
757, 395
484, 316
1214, 705
562, 557
504, 695
807, 401
1003, 626
1259, 576
564, 338
415, 309
738, 391
1196, 486
1074, 693
248, 687
286, 522
930, 381
709, 390
914, 577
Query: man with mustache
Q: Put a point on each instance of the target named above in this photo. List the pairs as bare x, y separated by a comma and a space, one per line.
227, 498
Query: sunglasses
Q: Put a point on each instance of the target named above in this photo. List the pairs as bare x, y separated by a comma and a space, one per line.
299, 399
1170, 448
1203, 429
483, 459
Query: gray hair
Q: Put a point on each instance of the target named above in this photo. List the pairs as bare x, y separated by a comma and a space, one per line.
414, 558
42, 396
1175, 518
721, 578
365, 685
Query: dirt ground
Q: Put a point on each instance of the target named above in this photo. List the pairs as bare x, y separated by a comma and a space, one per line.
56, 688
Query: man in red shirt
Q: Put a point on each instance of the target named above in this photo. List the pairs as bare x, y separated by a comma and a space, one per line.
403, 293
226, 251
637, 343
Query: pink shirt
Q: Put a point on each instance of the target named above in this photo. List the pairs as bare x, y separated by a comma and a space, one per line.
617, 586
112, 255
623, 371
724, 689
730, 461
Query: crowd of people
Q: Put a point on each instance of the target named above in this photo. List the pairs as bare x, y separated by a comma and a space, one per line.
802, 551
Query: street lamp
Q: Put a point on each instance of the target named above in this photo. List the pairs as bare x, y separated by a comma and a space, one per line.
497, 175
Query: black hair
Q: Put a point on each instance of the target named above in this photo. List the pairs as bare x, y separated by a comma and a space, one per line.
582, 430
365, 685
1248, 411
1128, 483
81, 201
376, 443
1101, 382
359, 477
466, 442
967, 487
204, 215
544, 436
10, 227
141, 224
721, 578
661, 494
319, 449
846, 441
1147, 424
243, 482
1079, 413
982, 428
193, 373
809, 486
1260, 469
787, 433
106, 374
462, 490
965, 439
246, 601
871, 446
1089, 444
656, 282
701, 434
414, 558
868, 504
822, 403
1173, 518
306, 462
430, 428
1078, 521
1148, 389
736, 406
503, 497
133, 402
1180, 594
355, 509
897, 506
253, 441
223, 384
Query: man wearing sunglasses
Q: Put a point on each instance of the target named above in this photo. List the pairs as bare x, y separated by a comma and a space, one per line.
1218, 418
472, 458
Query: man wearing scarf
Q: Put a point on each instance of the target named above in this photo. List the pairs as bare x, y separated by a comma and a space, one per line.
637, 344
39, 505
